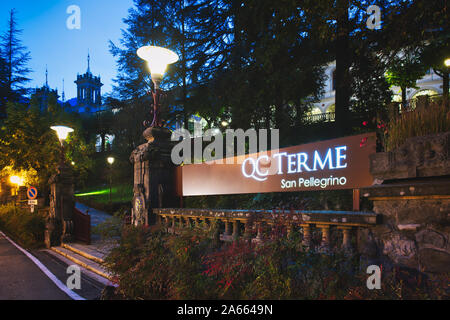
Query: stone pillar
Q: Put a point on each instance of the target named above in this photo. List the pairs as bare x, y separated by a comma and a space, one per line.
173, 223
346, 237
62, 204
306, 235
259, 235
247, 230
235, 230
227, 228
154, 176
325, 244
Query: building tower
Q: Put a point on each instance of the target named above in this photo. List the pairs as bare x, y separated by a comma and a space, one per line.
63, 94
88, 90
44, 95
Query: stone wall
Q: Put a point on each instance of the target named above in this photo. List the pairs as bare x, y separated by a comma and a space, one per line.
414, 201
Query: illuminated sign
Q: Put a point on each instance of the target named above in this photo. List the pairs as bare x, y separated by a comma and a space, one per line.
326, 165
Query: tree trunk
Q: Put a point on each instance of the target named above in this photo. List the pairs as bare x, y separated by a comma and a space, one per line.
404, 102
343, 62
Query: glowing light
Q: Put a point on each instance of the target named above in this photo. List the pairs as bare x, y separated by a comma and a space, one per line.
447, 62
111, 160
157, 59
62, 132
17, 180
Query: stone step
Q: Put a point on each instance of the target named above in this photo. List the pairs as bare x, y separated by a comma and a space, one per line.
84, 251
82, 261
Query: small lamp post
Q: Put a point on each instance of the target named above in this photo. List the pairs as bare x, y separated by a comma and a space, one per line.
157, 60
62, 133
111, 161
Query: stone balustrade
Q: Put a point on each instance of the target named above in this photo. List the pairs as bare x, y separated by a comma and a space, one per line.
257, 225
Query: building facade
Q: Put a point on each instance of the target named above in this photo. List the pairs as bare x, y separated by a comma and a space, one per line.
430, 84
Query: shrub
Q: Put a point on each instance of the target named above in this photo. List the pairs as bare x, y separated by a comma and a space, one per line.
421, 121
26, 227
189, 265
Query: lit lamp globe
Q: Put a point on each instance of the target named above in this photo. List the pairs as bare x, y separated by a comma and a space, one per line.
447, 62
62, 132
16, 180
111, 160
157, 60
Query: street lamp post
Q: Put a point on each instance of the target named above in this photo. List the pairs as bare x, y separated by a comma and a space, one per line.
157, 60
60, 223
111, 161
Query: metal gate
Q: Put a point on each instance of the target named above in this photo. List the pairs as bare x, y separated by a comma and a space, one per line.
82, 226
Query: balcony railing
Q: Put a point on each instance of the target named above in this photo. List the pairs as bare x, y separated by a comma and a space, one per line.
321, 117
256, 225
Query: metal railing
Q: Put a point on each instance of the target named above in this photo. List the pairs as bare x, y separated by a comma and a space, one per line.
321, 117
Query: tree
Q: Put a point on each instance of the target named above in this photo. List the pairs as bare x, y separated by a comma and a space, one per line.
28, 144
419, 27
15, 57
404, 72
371, 92
434, 56
3, 87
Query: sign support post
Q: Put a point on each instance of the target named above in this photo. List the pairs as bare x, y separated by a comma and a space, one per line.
356, 199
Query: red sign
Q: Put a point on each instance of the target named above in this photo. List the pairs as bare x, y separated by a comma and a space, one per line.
326, 165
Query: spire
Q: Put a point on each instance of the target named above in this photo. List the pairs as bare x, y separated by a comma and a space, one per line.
89, 62
46, 76
63, 94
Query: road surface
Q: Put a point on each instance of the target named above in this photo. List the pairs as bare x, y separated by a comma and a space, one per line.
22, 279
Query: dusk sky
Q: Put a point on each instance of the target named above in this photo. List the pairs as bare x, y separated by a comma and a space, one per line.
51, 43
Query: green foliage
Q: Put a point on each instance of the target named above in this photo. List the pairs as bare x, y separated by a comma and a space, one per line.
15, 58
26, 227
405, 70
371, 92
28, 143
419, 122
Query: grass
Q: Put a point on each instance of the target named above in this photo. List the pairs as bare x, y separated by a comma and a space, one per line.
119, 194
422, 121
25, 227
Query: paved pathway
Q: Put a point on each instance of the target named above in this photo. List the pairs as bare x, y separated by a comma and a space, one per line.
97, 216
21, 279
98, 247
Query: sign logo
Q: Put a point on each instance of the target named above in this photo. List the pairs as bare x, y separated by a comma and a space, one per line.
32, 193
341, 163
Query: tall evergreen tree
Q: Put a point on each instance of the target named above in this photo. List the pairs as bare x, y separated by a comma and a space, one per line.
16, 58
